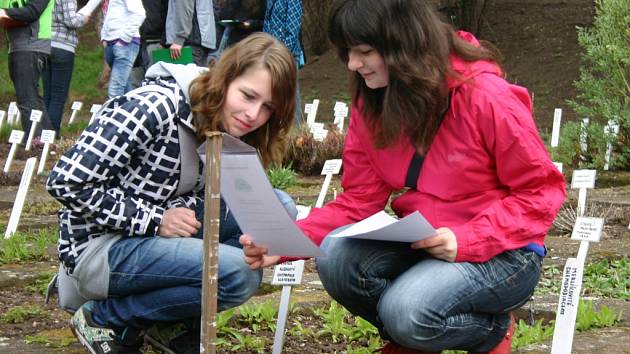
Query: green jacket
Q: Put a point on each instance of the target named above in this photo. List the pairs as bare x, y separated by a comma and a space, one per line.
37, 17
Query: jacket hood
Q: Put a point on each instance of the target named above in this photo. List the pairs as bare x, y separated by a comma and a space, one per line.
466, 70
183, 74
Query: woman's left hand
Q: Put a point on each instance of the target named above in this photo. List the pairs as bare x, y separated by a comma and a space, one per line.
443, 245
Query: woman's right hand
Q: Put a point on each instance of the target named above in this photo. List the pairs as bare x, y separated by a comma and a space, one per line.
256, 256
178, 222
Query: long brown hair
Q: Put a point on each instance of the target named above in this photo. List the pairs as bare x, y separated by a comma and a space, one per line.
208, 90
415, 45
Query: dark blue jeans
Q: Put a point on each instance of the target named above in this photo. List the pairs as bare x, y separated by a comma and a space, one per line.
25, 70
424, 303
57, 76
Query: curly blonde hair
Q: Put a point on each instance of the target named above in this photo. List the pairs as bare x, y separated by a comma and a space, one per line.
208, 91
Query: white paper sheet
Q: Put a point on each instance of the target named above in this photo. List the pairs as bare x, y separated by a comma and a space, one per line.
382, 226
257, 210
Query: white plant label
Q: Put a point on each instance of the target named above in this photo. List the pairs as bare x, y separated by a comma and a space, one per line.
48, 136
555, 133
558, 166
567, 307
316, 127
587, 229
95, 108
20, 197
310, 117
320, 135
289, 273
2, 115
583, 179
76, 105
610, 128
16, 137
13, 108
36, 116
308, 107
331, 167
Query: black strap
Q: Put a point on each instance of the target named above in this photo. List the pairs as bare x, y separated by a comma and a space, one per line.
413, 172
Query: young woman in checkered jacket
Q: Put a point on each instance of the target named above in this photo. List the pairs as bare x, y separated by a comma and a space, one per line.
130, 242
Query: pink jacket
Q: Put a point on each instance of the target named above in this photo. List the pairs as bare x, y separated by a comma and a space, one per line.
487, 175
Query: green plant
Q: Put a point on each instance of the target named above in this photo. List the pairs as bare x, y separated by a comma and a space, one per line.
76, 128
525, 334
609, 278
259, 316
282, 177
588, 318
53, 338
335, 323
604, 83
27, 246
6, 129
19, 314
40, 284
362, 329
248, 343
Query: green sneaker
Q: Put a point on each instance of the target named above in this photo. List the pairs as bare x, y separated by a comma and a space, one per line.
101, 340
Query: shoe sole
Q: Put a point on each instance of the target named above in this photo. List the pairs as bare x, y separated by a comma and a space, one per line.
83, 341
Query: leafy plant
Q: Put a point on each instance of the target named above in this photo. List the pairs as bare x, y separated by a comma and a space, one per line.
525, 334
282, 177
259, 316
40, 284
604, 83
334, 322
588, 318
248, 343
19, 314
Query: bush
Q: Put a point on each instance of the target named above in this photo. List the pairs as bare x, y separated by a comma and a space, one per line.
604, 83
307, 155
569, 150
282, 177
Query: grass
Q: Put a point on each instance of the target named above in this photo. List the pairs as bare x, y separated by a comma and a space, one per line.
27, 246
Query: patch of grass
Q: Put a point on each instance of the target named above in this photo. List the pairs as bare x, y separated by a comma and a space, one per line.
6, 130
27, 246
47, 207
75, 129
20, 314
52, 338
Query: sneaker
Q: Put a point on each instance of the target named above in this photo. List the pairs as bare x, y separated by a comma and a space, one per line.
101, 340
177, 338
506, 343
393, 348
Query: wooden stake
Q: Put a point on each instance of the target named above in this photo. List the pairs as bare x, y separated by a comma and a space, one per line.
211, 219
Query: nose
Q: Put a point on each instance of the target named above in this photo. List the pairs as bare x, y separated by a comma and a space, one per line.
354, 62
253, 111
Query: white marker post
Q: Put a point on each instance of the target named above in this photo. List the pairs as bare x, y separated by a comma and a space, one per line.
312, 112
555, 132
318, 131
15, 138
48, 137
584, 135
610, 130
286, 274
95, 108
341, 112
586, 230
2, 115
331, 167
76, 106
12, 113
558, 166
20, 197
36, 117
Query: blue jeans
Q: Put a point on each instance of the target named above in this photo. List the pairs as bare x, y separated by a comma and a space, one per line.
120, 59
56, 78
158, 279
25, 70
424, 303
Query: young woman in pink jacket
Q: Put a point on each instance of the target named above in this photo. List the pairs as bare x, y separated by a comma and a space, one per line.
433, 119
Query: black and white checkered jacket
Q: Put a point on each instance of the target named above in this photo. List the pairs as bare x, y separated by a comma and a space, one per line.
124, 170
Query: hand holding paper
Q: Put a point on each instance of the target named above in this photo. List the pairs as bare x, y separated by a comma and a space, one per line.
384, 227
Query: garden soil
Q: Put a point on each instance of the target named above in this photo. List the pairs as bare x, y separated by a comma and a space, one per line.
539, 42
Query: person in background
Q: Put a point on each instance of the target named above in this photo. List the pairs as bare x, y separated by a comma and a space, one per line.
28, 26
152, 35
248, 17
58, 74
121, 38
191, 22
283, 20
129, 237
433, 119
